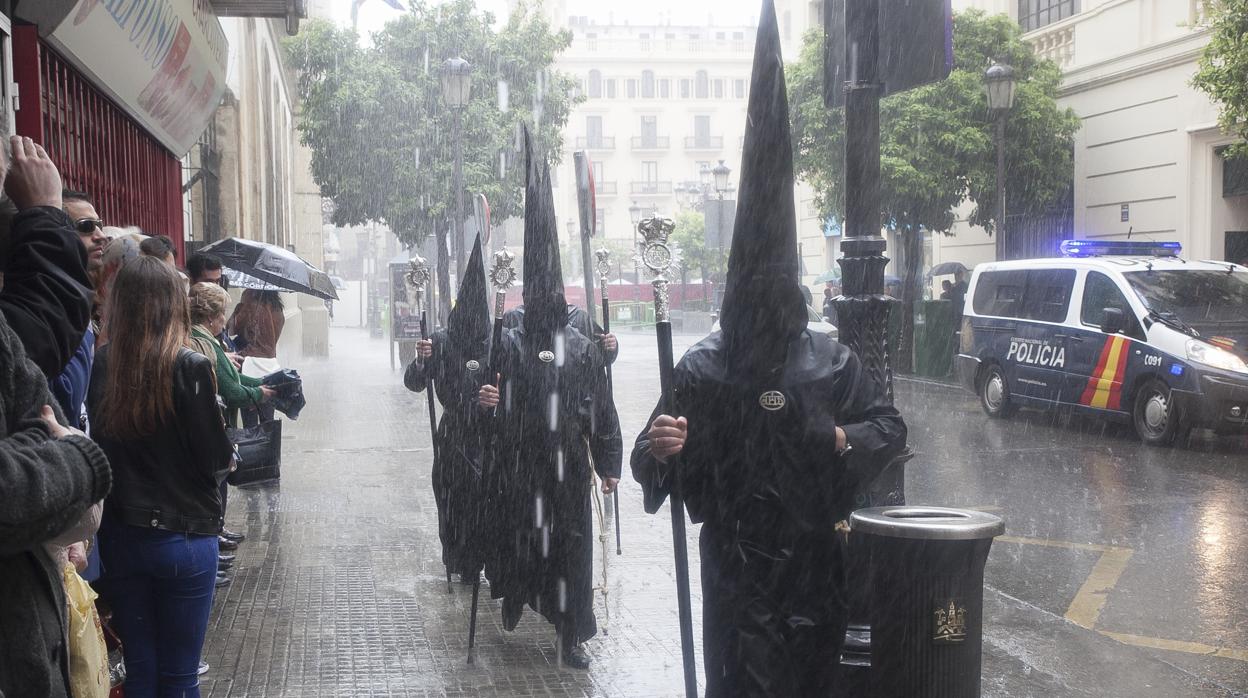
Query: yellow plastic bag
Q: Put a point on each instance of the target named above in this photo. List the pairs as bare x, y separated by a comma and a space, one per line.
88, 657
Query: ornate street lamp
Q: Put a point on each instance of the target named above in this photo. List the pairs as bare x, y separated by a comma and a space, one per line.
456, 89
721, 173
1000, 85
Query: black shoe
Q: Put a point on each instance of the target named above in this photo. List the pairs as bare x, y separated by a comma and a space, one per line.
226, 558
223, 580
226, 544
224, 566
575, 658
230, 535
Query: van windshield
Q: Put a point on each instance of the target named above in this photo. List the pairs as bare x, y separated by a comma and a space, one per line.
1203, 299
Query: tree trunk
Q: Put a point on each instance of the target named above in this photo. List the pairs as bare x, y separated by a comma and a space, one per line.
444, 275
912, 262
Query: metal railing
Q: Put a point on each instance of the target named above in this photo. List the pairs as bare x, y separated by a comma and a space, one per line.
704, 143
651, 143
655, 188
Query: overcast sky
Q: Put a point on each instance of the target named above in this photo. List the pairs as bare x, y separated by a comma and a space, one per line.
375, 13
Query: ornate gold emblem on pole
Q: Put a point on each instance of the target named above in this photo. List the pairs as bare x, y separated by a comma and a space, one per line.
656, 256
502, 275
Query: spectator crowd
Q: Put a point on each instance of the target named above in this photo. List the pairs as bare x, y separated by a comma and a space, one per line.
120, 378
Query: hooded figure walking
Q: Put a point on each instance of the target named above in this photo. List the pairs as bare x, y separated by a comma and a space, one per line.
773, 428
457, 360
556, 418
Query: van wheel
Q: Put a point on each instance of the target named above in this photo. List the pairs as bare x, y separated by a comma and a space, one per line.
1155, 414
994, 394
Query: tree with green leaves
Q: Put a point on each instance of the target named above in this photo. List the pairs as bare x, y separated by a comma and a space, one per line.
690, 236
380, 131
936, 144
1223, 67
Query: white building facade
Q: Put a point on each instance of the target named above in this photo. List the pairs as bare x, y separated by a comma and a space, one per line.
661, 103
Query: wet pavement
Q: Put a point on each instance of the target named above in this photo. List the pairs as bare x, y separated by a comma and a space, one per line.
1112, 551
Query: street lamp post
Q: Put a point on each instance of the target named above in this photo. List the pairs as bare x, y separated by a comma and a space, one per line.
721, 172
456, 88
1000, 84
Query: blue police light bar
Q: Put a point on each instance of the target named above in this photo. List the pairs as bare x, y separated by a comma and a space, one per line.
1110, 248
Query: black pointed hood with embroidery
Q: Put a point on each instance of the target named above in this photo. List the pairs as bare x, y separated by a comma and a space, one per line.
763, 307
468, 326
545, 309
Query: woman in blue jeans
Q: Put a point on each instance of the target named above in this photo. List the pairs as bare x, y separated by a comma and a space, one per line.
153, 409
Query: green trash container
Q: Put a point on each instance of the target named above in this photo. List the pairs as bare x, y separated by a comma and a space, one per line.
934, 339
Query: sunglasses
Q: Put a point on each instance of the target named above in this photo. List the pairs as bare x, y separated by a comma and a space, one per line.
86, 226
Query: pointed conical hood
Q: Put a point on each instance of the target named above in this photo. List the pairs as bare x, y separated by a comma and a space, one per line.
763, 308
468, 325
545, 309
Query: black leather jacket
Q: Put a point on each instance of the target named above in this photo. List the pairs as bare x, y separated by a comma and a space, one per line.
169, 479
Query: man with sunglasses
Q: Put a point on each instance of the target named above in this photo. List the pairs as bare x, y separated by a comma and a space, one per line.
81, 210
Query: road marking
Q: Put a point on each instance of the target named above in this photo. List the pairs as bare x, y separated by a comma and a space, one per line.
1177, 646
1085, 609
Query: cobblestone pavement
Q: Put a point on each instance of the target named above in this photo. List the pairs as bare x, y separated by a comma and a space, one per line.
339, 589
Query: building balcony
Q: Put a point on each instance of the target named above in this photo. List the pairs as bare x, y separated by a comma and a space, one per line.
704, 143
651, 143
1056, 42
606, 188
651, 188
599, 143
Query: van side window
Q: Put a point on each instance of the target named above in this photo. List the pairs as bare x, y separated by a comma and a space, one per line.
1048, 294
1000, 293
1100, 292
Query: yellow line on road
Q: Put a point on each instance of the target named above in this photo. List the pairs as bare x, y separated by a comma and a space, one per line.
1177, 646
1089, 601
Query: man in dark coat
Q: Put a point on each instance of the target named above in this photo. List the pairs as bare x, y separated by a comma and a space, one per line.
771, 431
557, 421
49, 475
457, 360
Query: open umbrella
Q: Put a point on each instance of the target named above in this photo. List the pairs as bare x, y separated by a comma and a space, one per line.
832, 275
947, 268
268, 264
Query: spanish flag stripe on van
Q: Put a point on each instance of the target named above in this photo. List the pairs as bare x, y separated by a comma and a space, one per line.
1104, 389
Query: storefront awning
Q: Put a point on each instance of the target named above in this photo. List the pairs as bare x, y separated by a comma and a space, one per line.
290, 10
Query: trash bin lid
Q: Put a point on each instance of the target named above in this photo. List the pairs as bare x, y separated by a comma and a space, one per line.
926, 523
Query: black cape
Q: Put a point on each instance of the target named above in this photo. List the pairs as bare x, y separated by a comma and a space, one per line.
458, 465
769, 488
545, 554
577, 317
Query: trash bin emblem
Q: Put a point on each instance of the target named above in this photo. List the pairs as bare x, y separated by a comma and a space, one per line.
950, 624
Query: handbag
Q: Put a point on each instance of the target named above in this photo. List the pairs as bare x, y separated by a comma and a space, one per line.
259, 453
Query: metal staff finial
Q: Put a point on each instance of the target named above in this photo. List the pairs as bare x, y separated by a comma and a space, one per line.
603, 264
417, 278
502, 275
657, 257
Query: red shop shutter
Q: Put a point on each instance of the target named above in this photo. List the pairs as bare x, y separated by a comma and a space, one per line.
99, 149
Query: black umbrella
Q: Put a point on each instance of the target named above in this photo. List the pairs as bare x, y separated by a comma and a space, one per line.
946, 268
279, 268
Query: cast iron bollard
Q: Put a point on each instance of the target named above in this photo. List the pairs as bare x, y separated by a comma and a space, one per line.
927, 580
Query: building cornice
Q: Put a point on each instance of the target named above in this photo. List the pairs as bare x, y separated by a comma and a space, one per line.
1154, 58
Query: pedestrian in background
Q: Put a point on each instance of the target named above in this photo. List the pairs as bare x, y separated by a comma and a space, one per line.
153, 408
257, 326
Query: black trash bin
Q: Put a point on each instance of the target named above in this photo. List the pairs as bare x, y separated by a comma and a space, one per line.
927, 598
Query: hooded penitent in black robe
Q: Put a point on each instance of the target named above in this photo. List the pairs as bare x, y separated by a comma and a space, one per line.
459, 367
555, 415
760, 468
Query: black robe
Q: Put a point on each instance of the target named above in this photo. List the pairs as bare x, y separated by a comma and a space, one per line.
458, 476
769, 488
545, 537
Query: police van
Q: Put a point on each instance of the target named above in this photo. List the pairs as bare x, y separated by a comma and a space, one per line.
1124, 330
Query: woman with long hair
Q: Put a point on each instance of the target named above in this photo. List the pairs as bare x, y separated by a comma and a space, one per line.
257, 325
153, 409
